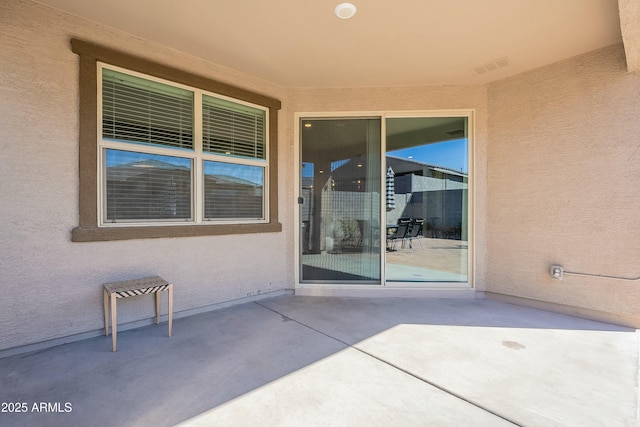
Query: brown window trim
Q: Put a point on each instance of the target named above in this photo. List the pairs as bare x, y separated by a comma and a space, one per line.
88, 229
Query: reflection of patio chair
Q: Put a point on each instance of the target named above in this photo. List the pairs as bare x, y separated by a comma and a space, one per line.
397, 233
415, 232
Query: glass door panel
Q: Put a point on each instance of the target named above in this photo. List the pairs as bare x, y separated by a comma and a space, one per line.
427, 199
340, 200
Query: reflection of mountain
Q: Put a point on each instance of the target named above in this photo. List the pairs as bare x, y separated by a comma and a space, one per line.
150, 163
229, 179
125, 171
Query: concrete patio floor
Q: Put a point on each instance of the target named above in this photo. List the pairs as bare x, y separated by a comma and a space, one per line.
310, 361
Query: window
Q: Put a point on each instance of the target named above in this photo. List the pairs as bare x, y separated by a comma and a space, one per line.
152, 164
176, 155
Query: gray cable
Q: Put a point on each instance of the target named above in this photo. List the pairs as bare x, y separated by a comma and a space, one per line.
630, 279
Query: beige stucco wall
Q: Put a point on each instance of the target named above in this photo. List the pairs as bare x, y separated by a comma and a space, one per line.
563, 185
50, 286
556, 177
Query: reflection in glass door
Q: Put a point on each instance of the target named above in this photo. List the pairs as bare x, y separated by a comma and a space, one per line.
340, 239
427, 199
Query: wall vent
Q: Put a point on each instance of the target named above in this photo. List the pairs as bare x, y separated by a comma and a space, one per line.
491, 66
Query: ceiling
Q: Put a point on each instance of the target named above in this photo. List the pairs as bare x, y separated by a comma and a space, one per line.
301, 43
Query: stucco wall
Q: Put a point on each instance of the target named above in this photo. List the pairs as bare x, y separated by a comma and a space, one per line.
563, 178
50, 286
556, 177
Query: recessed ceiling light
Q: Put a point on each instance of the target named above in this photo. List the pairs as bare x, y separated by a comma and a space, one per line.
345, 10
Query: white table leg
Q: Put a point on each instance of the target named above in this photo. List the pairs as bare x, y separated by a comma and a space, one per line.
105, 297
157, 308
170, 309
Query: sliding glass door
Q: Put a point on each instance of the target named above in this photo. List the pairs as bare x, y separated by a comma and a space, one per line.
340, 201
428, 185
386, 208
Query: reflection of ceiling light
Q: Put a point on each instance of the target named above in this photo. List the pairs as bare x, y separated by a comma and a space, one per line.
321, 171
410, 157
345, 10
359, 166
307, 125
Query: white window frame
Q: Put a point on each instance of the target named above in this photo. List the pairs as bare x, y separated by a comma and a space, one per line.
197, 157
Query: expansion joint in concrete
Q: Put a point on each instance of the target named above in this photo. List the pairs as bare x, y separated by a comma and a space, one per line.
393, 365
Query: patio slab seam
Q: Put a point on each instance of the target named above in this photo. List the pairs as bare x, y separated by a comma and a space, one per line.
392, 365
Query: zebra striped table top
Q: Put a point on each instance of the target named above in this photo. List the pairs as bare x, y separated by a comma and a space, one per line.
130, 288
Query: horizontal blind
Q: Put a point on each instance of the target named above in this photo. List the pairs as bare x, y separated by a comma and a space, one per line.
147, 187
233, 191
232, 129
140, 110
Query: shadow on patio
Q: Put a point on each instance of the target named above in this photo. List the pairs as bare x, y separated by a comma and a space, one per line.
339, 361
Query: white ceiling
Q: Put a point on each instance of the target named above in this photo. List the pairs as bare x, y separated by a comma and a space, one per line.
301, 43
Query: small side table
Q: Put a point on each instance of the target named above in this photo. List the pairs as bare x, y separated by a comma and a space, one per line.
131, 288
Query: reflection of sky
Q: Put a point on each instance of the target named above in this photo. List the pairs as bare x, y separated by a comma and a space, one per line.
119, 158
335, 165
449, 154
307, 169
252, 174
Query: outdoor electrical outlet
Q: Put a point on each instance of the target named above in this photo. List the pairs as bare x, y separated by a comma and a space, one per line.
557, 272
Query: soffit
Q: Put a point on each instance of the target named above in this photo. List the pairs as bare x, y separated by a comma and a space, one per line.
296, 43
